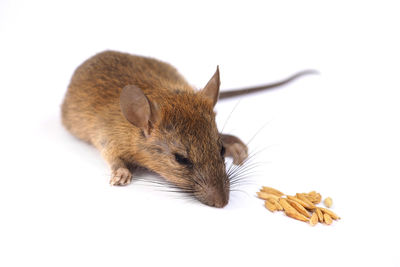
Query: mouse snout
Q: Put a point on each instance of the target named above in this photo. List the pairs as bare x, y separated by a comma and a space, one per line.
214, 196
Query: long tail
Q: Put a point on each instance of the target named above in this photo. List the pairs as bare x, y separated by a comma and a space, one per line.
250, 90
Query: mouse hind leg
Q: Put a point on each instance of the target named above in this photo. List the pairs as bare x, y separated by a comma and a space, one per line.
234, 148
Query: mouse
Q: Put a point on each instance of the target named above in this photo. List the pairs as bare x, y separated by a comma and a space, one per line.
140, 112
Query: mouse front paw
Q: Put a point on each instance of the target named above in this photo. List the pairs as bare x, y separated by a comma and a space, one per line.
234, 148
121, 176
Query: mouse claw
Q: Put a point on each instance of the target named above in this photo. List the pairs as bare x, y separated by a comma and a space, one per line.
121, 176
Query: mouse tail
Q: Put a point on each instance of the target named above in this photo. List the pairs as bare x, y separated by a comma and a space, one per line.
255, 89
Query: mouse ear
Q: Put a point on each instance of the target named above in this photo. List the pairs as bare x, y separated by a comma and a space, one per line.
211, 90
137, 108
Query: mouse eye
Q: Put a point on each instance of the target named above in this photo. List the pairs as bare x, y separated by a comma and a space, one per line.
222, 151
182, 160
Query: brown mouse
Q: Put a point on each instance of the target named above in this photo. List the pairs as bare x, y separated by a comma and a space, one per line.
139, 111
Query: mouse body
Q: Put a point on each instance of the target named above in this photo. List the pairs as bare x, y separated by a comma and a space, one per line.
140, 112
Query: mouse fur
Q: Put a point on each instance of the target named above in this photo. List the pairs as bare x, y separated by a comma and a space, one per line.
139, 111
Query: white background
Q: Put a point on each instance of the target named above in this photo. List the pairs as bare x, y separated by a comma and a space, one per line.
337, 133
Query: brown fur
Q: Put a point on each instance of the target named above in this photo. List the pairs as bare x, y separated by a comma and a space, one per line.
185, 125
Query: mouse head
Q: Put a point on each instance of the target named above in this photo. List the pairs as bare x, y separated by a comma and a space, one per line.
180, 139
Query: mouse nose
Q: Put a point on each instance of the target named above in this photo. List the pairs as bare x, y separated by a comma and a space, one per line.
220, 204
216, 198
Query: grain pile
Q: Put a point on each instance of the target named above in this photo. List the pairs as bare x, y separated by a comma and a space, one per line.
302, 206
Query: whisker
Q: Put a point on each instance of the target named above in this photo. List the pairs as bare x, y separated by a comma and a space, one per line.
242, 168
243, 178
230, 114
166, 186
199, 176
251, 155
253, 167
258, 131
241, 191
